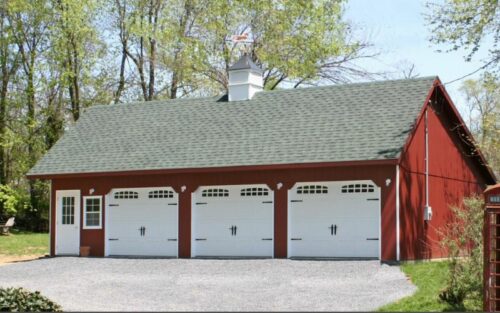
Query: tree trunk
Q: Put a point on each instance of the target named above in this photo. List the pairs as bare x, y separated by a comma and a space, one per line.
121, 82
3, 124
54, 120
3, 101
152, 63
73, 84
76, 85
174, 85
140, 68
30, 102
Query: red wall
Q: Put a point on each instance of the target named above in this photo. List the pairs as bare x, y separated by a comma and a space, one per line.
452, 175
103, 184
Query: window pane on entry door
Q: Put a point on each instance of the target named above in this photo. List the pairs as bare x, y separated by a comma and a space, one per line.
68, 210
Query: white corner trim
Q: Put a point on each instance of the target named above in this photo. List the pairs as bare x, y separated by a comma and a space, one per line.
106, 198
84, 206
51, 233
398, 248
426, 158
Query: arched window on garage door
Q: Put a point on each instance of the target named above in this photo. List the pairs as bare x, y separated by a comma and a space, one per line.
158, 194
215, 192
312, 189
127, 194
358, 188
255, 191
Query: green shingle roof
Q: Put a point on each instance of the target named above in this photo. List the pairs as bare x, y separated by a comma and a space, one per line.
364, 121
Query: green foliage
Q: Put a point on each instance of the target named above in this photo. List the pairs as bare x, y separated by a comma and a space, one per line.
190, 41
483, 104
15, 201
24, 243
464, 24
463, 239
298, 41
22, 300
10, 200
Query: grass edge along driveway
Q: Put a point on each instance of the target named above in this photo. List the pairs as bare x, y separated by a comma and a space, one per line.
430, 278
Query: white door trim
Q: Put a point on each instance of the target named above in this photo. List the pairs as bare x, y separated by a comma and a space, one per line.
379, 189
106, 206
71, 193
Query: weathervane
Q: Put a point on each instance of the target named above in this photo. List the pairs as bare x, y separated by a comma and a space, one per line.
243, 39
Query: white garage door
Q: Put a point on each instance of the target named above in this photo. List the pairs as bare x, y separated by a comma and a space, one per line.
232, 221
142, 222
334, 219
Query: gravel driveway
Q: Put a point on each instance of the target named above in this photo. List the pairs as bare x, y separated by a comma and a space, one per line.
97, 284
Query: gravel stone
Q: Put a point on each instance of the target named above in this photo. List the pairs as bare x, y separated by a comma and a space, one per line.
114, 284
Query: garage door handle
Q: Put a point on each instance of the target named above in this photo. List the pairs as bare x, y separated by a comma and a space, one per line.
201, 239
200, 203
372, 199
333, 229
172, 204
113, 239
113, 204
371, 238
267, 202
296, 239
171, 239
295, 200
267, 238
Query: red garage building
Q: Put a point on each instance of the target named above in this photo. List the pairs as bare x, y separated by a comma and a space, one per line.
363, 170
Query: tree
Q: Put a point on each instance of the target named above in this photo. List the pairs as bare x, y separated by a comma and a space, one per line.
296, 42
483, 104
181, 47
8, 68
29, 20
464, 24
139, 22
76, 47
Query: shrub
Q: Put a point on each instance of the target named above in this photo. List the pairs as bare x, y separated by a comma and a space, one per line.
10, 199
463, 239
22, 300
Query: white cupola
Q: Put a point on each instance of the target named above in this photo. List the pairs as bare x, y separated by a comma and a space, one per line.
245, 79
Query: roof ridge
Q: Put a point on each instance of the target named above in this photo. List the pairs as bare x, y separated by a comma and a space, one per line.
163, 101
377, 82
152, 102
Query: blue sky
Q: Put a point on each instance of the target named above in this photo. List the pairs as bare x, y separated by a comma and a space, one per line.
398, 30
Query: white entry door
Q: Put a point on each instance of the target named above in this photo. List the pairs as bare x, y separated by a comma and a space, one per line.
67, 222
142, 222
233, 221
334, 219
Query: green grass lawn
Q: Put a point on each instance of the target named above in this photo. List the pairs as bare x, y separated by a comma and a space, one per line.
24, 243
430, 279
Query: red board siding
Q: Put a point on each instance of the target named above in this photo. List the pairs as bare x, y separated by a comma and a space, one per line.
452, 175
103, 184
